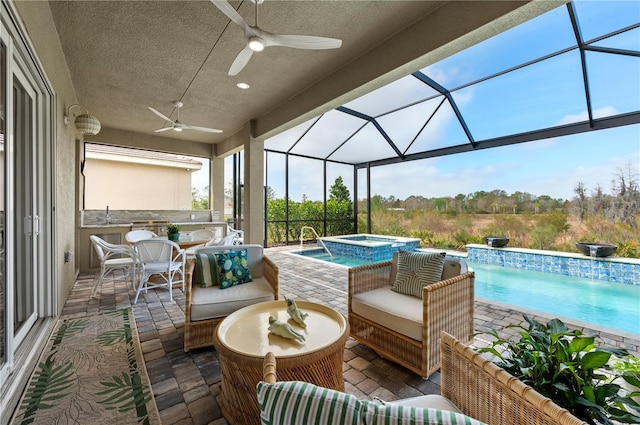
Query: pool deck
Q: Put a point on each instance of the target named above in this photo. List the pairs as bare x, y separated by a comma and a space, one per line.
186, 385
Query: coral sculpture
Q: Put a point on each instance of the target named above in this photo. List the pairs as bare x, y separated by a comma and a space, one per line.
295, 313
284, 329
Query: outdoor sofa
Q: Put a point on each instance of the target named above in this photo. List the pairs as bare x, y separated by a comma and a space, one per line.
472, 389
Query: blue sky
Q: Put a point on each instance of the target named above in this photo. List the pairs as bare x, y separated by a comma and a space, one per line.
543, 95
546, 167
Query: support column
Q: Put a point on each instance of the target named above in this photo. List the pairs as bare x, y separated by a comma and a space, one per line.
254, 191
216, 186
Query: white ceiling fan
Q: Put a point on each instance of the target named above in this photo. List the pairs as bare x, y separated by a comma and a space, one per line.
177, 125
258, 39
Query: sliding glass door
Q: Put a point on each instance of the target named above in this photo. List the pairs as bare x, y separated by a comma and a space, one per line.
3, 216
27, 285
26, 219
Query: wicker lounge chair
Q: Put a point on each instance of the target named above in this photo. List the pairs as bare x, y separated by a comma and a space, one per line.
410, 334
206, 307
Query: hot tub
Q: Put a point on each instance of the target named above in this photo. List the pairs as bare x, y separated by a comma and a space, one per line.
369, 247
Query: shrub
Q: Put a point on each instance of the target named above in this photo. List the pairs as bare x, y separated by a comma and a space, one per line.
543, 237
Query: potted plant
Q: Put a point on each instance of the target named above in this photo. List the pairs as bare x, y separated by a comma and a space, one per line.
567, 367
173, 232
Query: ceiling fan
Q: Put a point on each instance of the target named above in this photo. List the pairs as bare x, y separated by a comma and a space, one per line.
177, 125
258, 39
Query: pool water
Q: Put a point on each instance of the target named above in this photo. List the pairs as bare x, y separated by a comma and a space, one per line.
341, 260
610, 304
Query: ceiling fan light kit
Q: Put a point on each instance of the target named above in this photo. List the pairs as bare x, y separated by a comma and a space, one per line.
177, 125
257, 39
256, 44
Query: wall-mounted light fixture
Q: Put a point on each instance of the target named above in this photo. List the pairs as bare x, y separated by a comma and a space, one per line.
85, 123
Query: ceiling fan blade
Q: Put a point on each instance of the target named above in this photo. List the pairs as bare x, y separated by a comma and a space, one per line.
205, 129
241, 61
229, 10
160, 130
160, 114
310, 42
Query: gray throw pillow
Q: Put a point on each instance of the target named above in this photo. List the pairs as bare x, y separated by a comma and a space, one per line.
416, 270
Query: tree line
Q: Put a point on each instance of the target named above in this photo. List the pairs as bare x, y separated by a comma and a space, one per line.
496, 201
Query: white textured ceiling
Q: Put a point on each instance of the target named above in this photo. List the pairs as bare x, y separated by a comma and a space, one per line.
126, 55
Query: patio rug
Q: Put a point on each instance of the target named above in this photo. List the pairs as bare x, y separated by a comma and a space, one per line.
90, 372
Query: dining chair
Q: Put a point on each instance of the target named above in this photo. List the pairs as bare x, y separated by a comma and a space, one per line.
238, 238
204, 234
134, 236
161, 259
113, 257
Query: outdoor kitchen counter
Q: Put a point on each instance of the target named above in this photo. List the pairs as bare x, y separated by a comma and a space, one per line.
107, 226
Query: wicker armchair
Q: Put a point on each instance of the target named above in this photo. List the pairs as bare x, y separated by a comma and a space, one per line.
415, 343
490, 394
206, 307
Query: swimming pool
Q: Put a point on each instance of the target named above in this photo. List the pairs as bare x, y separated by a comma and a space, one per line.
610, 304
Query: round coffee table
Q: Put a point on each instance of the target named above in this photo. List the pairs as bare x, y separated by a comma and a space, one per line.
242, 339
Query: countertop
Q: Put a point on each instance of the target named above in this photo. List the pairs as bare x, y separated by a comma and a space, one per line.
128, 225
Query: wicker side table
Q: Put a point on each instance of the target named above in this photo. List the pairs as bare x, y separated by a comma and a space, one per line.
242, 339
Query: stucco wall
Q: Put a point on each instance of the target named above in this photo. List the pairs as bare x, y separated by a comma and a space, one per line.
38, 22
156, 187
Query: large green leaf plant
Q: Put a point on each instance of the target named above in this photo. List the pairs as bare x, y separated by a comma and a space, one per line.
567, 367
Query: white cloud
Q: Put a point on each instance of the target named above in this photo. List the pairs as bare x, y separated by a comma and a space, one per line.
606, 111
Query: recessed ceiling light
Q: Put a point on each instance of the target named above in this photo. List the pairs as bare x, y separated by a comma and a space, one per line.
243, 86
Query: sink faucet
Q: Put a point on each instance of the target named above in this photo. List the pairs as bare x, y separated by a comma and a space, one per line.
107, 218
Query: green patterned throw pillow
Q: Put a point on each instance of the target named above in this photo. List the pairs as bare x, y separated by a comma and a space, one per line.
297, 403
390, 414
234, 268
416, 270
208, 272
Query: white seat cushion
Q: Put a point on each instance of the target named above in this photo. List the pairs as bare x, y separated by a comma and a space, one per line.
399, 312
115, 262
212, 302
397, 414
433, 401
161, 266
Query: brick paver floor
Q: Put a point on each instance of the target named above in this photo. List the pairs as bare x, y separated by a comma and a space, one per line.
186, 385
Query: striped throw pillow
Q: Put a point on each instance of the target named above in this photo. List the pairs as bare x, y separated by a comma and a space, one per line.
297, 403
207, 270
390, 414
416, 270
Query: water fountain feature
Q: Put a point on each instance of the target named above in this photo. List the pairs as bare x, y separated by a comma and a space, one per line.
592, 249
495, 241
